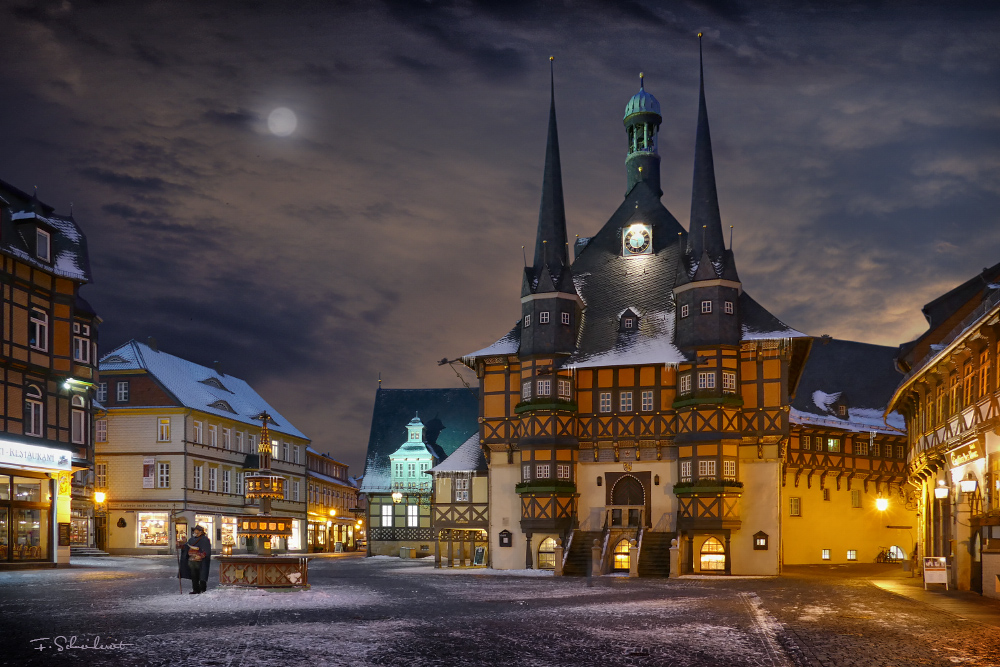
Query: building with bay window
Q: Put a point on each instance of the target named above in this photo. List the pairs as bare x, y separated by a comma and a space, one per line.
173, 443
412, 429
332, 501
950, 397
47, 372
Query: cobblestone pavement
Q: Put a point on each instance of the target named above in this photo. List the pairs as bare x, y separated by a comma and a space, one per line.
384, 611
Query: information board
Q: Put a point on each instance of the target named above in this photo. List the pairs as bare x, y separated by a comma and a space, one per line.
64, 534
935, 571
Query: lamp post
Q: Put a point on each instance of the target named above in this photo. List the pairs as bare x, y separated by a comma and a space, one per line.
101, 519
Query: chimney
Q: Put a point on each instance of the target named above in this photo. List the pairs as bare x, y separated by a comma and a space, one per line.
151, 342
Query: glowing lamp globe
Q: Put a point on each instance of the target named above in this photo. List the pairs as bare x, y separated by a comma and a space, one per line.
882, 504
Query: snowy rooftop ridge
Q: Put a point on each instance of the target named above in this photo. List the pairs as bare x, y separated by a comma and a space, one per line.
467, 458
860, 420
185, 381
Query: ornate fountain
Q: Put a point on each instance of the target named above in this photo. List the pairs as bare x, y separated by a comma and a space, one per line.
264, 569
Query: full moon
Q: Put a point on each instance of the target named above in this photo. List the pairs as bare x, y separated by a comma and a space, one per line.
282, 122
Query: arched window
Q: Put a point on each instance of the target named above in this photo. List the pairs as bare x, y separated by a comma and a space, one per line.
34, 411
713, 556
897, 553
547, 554
78, 421
622, 559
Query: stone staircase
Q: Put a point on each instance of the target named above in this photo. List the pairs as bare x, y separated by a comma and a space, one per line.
86, 552
654, 557
578, 560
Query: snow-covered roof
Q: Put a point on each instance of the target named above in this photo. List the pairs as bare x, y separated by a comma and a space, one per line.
467, 458
860, 420
68, 246
326, 478
509, 344
652, 343
196, 386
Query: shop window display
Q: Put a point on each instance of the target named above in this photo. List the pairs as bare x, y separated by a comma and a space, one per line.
152, 529
229, 530
25, 518
207, 521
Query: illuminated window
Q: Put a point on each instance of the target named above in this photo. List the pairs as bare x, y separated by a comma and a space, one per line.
760, 541
163, 429
713, 556
706, 307
856, 498
623, 560
852, 554
547, 554
605, 401
625, 401
795, 507
826, 554
647, 401
833, 444
387, 511
543, 317
412, 516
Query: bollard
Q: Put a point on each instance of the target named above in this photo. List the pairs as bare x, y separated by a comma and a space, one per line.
675, 560
558, 552
633, 559
595, 559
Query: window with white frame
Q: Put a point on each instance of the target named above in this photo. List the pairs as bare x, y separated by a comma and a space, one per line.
78, 421
647, 401
706, 469
251, 442
81, 350
411, 469
239, 441
34, 411
526, 390
545, 387
856, 498
298, 453
543, 317
197, 432
565, 318
101, 430
852, 554
527, 320
387, 516
565, 389
825, 554
686, 383
526, 473
286, 451
412, 516
100, 475
685, 471
163, 475
121, 389
213, 435
227, 482
275, 450
706, 306
605, 405
542, 471
729, 469
38, 330
729, 382
102, 392
295, 490
239, 483
163, 429
833, 444
43, 245
213, 478
794, 507
562, 471
625, 401
398, 467
461, 489
706, 380
685, 310
728, 308
227, 438
198, 476
629, 321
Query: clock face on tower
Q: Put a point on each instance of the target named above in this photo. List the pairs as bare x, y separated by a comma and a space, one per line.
637, 240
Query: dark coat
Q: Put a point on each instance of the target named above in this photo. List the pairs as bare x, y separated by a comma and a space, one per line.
203, 543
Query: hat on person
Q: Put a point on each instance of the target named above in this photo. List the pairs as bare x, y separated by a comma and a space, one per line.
199, 528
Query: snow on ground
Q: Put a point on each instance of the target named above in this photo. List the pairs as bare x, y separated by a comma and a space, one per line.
231, 599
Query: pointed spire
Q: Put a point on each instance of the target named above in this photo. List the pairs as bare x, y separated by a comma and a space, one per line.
551, 212
704, 197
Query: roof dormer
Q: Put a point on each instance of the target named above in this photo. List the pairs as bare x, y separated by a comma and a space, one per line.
628, 321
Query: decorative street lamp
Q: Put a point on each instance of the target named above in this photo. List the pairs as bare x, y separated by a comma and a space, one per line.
397, 497
969, 484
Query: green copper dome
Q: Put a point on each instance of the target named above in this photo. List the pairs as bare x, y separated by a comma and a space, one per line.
642, 102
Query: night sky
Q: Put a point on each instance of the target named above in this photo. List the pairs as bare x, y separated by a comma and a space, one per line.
856, 153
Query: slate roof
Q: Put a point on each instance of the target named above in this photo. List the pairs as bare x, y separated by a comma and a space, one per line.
70, 258
450, 417
467, 458
197, 387
863, 375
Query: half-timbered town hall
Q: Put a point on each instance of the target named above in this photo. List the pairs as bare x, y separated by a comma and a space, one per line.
644, 396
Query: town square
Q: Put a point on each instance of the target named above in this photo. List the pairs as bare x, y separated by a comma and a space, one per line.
391, 333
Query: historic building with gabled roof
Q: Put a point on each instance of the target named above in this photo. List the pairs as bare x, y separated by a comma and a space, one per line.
411, 431
459, 506
644, 394
174, 441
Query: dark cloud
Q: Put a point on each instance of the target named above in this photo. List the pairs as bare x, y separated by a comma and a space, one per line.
120, 180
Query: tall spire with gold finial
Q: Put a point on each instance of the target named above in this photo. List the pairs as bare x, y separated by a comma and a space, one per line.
706, 221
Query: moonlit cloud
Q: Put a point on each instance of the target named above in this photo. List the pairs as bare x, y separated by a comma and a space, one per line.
856, 151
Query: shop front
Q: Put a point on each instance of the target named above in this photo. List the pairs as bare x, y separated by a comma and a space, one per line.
34, 500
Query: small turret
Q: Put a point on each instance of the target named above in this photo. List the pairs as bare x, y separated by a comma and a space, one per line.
642, 123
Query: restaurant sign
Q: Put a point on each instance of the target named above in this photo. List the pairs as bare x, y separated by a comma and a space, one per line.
965, 453
34, 456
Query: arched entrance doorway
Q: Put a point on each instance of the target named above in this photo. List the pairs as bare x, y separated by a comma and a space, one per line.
627, 498
713, 556
623, 560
